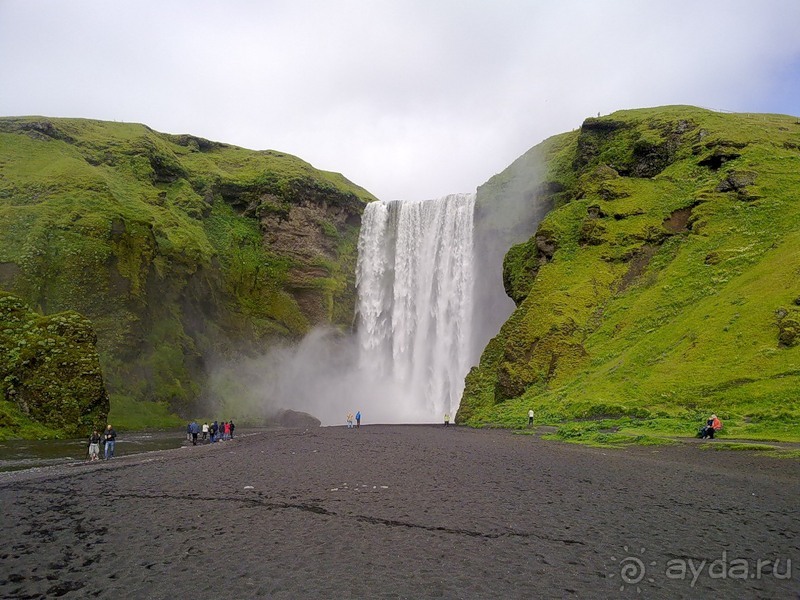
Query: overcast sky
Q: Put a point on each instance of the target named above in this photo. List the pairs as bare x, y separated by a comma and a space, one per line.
410, 99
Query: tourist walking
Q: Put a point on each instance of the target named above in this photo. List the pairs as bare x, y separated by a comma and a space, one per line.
232, 427
205, 431
358, 420
447, 419
110, 440
214, 431
349, 420
94, 445
227, 430
530, 418
194, 429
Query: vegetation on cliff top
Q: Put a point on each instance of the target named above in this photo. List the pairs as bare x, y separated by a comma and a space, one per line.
664, 285
180, 250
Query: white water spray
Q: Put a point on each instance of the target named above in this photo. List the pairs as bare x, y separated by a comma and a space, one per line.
415, 302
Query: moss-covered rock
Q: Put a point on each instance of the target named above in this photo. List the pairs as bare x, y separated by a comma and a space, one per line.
49, 372
177, 248
663, 279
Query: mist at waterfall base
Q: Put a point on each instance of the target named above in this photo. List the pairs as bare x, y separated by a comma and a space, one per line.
318, 376
422, 317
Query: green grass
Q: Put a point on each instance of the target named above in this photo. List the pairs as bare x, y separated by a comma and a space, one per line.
15, 425
631, 319
738, 446
761, 449
165, 243
129, 414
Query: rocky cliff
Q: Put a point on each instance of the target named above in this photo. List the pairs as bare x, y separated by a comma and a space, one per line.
50, 372
665, 281
178, 249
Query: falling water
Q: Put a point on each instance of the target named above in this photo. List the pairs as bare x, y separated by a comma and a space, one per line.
415, 291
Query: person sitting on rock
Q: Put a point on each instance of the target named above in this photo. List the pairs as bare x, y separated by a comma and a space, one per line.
712, 426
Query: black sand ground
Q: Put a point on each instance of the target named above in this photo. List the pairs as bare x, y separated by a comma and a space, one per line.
404, 512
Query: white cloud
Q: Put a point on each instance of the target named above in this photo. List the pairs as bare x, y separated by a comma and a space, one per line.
410, 99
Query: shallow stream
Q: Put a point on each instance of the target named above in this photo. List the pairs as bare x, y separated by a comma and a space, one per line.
25, 454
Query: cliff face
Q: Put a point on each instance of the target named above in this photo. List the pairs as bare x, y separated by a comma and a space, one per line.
177, 248
664, 282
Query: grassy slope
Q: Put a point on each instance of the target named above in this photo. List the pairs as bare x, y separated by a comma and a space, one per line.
157, 239
648, 328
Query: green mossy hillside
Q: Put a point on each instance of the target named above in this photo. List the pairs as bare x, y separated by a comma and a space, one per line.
663, 285
180, 250
50, 378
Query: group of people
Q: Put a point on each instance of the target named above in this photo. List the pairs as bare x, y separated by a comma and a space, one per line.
350, 420
224, 431
215, 432
108, 438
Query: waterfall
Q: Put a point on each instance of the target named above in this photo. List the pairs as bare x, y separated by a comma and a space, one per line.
415, 300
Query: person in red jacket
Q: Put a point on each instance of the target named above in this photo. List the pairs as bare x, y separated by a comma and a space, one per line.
713, 425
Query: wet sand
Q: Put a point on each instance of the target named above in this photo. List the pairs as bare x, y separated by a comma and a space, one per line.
404, 512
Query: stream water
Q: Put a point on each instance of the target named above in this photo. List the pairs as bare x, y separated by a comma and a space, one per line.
25, 454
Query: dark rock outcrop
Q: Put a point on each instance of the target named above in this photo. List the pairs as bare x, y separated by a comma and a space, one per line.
293, 419
50, 369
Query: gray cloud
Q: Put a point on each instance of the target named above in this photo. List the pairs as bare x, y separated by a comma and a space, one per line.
410, 99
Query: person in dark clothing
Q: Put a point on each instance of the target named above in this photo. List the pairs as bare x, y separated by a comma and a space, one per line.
194, 429
713, 425
214, 430
232, 428
94, 445
110, 440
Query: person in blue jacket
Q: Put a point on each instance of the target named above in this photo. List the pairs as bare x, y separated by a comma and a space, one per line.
358, 420
194, 429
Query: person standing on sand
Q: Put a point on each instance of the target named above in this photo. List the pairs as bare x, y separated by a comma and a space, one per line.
194, 429
530, 418
447, 419
228, 430
232, 427
349, 420
94, 445
214, 430
110, 439
358, 420
205, 431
